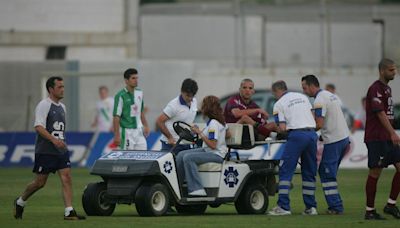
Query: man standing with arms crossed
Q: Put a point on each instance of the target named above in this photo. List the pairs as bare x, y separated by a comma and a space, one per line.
130, 124
382, 140
292, 113
51, 153
335, 134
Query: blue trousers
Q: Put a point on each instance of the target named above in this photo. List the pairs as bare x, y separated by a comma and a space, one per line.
168, 147
328, 168
186, 164
300, 144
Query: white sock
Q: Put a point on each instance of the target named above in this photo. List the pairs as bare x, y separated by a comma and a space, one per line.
369, 208
68, 210
21, 202
390, 201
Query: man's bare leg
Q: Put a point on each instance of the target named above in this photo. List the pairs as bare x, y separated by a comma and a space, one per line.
19, 203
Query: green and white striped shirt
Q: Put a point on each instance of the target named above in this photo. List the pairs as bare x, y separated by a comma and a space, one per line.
129, 107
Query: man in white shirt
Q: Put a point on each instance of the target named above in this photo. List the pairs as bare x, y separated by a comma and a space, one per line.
335, 134
104, 108
292, 113
181, 108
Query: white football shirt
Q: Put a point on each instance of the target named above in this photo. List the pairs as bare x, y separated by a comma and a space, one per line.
216, 131
104, 114
177, 110
294, 109
328, 106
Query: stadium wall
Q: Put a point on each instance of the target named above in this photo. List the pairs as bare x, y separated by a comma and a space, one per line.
22, 86
255, 36
91, 30
260, 43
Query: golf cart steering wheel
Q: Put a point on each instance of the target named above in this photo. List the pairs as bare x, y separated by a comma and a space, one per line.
183, 130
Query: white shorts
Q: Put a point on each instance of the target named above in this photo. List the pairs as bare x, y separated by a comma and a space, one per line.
133, 139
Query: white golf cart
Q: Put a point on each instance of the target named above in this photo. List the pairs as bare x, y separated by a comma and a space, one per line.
149, 179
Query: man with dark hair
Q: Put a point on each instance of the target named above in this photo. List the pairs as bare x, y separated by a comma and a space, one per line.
130, 124
335, 135
51, 153
242, 109
382, 141
181, 108
292, 113
129, 72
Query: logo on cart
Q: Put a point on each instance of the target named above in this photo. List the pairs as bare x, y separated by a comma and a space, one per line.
167, 167
114, 155
231, 177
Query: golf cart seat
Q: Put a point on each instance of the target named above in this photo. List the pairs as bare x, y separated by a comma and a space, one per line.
242, 136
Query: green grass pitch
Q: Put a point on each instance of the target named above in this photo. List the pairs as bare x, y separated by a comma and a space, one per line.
45, 208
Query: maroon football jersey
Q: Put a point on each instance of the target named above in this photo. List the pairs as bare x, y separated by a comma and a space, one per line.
379, 98
237, 102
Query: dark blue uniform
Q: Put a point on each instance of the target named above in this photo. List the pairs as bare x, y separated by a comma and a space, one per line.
49, 158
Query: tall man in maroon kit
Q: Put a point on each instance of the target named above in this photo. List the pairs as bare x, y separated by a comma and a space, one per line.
382, 141
241, 109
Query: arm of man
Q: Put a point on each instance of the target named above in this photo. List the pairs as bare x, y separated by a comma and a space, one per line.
45, 134
319, 122
94, 123
237, 113
211, 143
146, 129
319, 111
279, 118
111, 114
281, 127
161, 125
117, 112
117, 136
389, 128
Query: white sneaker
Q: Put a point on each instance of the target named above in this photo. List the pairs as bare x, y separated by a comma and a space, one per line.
276, 211
200, 192
310, 211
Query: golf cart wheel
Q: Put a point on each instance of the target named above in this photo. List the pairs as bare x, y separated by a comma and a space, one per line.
191, 209
252, 200
152, 199
94, 200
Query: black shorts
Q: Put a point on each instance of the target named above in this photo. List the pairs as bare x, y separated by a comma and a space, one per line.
381, 154
48, 163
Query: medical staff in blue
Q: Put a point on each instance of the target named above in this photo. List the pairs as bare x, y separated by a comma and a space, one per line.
292, 113
335, 135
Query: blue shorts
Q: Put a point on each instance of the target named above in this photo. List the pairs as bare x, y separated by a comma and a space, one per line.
48, 163
381, 154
